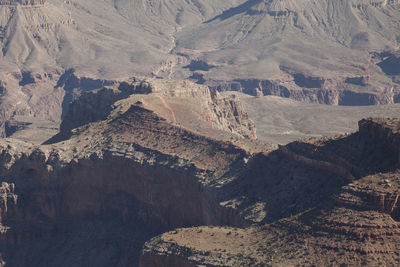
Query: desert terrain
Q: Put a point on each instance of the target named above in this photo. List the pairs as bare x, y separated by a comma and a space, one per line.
199, 133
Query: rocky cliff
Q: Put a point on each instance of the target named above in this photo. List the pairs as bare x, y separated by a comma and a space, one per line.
217, 112
357, 223
127, 163
42, 95
145, 160
383, 130
339, 58
315, 90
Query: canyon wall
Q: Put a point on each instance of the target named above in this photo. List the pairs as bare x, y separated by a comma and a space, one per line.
42, 95
357, 223
39, 193
315, 90
382, 130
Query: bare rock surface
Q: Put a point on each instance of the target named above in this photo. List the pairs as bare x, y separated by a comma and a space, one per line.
354, 223
149, 156
327, 52
281, 120
89, 189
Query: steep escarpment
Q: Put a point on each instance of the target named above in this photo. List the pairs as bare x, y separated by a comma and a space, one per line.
306, 54
231, 114
168, 98
41, 95
50, 190
316, 90
136, 166
383, 130
112, 174
344, 57
352, 220
42, 193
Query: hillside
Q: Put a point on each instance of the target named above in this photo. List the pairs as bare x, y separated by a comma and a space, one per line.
353, 219
329, 52
135, 160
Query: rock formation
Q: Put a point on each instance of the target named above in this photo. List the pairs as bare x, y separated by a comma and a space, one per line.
339, 58
150, 156
224, 113
314, 90
137, 158
128, 162
41, 95
355, 224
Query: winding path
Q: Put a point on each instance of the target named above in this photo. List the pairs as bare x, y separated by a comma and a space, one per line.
165, 104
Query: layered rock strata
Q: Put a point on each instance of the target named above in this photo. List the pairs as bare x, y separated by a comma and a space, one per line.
42, 95
355, 224
315, 90
145, 160
129, 162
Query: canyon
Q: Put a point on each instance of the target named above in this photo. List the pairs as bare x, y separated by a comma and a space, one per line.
336, 53
199, 133
355, 221
52, 51
166, 173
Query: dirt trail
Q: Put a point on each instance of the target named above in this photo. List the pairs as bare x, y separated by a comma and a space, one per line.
165, 104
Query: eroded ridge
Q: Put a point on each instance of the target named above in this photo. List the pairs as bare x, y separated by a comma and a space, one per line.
354, 226
127, 169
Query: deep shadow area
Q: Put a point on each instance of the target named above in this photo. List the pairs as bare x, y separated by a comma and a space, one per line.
362, 81
243, 8
198, 77
290, 185
26, 78
98, 212
198, 65
285, 185
90, 242
13, 126
74, 86
307, 82
363, 155
396, 215
349, 98
391, 65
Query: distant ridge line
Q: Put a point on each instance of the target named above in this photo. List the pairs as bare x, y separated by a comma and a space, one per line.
22, 2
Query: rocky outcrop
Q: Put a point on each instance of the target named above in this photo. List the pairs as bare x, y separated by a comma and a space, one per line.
91, 107
8, 201
135, 161
343, 171
231, 115
357, 226
224, 113
124, 174
311, 89
113, 167
42, 95
383, 199
357, 223
382, 130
